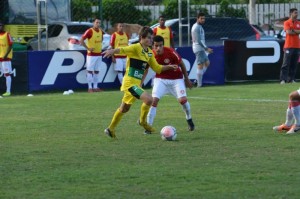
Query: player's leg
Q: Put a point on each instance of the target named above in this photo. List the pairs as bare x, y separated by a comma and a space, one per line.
127, 101
118, 67
6, 69
203, 63
295, 107
89, 72
289, 120
158, 91
97, 64
179, 91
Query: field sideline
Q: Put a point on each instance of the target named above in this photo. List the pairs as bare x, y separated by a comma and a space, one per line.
53, 146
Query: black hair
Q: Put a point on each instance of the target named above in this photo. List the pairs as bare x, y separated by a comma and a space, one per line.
292, 10
158, 38
200, 14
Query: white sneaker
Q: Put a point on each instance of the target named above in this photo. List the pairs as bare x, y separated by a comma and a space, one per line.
282, 82
293, 130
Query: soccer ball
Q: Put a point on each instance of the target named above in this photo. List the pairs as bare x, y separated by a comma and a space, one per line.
168, 133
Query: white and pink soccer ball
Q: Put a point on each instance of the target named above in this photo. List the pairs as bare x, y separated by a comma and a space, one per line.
168, 133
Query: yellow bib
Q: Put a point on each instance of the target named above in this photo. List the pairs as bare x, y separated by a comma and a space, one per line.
121, 41
95, 41
4, 45
165, 33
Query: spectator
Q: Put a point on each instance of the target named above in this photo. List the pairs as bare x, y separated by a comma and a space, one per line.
291, 48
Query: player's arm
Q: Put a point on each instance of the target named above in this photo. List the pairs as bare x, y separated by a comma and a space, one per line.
160, 68
112, 44
144, 76
171, 39
187, 81
87, 34
127, 50
10, 42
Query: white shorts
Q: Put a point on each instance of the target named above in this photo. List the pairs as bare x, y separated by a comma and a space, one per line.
120, 64
5, 67
93, 63
161, 87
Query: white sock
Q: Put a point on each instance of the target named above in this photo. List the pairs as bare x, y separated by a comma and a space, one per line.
289, 117
89, 78
296, 113
151, 115
120, 77
95, 80
199, 77
8, 84
204, 70
187, 110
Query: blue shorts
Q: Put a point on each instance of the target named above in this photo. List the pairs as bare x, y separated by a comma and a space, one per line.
201, 57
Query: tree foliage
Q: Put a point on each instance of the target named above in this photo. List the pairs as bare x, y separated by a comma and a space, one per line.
226, 11
171, 9
117, 11
81, 10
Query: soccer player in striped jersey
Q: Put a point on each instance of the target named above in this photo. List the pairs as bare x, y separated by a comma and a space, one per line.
119, 39
173, 82
139, 58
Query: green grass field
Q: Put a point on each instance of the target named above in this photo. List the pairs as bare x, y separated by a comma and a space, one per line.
53, 146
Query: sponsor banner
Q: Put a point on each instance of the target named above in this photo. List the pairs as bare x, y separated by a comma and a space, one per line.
19, 74
253, 60
63, 70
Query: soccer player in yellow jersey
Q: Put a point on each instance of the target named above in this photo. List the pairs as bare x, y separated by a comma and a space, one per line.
5, 57
139, 58
119, 39
165, 32
94, 38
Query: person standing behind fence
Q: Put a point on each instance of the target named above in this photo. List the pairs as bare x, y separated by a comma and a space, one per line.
291, 48
199, 47
165, 32
119, 39
94, 38
6, 54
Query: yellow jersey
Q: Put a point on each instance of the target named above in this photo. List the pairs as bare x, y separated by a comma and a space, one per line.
137, 62
95, 38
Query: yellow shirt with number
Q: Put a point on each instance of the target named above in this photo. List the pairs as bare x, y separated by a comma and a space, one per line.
137, 62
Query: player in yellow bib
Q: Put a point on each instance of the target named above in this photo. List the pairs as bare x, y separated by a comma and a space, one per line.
6, 54
139, 58
119, 39
94, 38
165, 32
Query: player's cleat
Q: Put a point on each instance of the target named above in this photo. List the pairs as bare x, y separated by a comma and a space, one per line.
147, 132
90, 90
6, 94
146, 126
293, 130
110, 133
97, 90
282, 127
191, 125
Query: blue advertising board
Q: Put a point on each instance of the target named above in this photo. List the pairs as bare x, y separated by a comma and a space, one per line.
61, 70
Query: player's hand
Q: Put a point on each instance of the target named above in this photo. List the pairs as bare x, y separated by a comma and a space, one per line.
188, 83
210, 50
175, 67
91, 49
108, 53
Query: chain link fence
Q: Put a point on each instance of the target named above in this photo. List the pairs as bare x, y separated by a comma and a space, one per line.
20, 17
